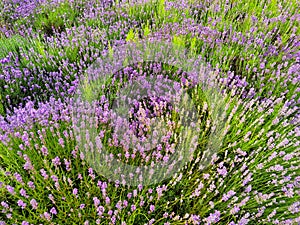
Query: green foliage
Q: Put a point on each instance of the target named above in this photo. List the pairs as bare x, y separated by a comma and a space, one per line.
146, 29
13, 44
179, 41
58, 18
161, 11
2, 112
131, 36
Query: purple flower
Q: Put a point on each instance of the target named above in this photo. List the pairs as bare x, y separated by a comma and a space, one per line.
206, 176
61, 142
53, 211
47, 216
75, 191
100, 210
248, 189
31, 185
44, 151
228, 195
54, 178
23, 193
56, 161
5, 205
96, 201
119, 205
243, 221
213, 217
27, 165
152, 208
50, 196
133, 207
18, 178
44, 174
235, 210
222, 172
294, 208
140, 187
10, 189
67, 164
107, 200
33, 203
21, 204
195, 219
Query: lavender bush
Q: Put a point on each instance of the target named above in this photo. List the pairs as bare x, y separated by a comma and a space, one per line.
238, 62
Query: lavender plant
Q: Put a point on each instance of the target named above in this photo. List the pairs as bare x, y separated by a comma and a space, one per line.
50, 50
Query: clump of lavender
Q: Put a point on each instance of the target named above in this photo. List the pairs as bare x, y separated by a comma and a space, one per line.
253, 50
